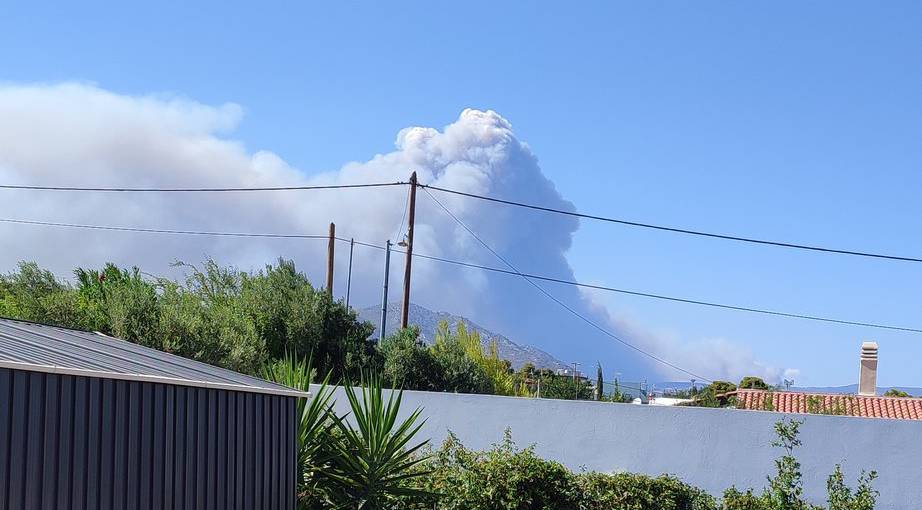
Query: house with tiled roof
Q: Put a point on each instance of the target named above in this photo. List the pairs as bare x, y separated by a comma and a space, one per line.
865, 404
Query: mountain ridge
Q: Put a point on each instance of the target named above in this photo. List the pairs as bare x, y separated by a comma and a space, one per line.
428, 321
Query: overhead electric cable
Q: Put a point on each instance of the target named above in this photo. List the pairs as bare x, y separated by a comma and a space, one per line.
665, 228
199, 190
558, 301
462, 264
162, 231
671, 298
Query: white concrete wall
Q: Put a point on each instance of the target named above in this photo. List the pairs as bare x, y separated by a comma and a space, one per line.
710, 448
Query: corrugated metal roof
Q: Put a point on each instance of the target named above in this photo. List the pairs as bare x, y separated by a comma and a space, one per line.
37, 347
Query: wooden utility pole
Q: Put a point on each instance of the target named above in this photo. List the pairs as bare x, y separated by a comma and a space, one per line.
405, 318
331, 248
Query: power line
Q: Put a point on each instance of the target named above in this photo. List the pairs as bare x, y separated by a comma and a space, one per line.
665, 228
673, 298
782, 244
558, 301
162, 231
200, 190
464, 264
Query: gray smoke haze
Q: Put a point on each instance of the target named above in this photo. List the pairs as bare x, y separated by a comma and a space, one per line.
78, 134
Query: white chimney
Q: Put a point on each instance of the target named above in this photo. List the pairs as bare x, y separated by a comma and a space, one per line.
867, 382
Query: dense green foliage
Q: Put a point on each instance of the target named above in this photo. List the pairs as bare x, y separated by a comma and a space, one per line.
755, 383
508, 478
408, 363
217, 315
893, 392
500, 478
629, 491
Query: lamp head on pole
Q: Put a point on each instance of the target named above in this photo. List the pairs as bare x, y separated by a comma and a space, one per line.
403, 242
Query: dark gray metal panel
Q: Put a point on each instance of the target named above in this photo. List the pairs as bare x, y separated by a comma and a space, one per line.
84, 443
158, 407
20, 422
38, 344
6, 424
80, 435
65, 433
146, 438
34, 444
51, 420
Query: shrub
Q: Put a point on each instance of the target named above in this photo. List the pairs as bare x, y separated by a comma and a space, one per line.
628, 491
502, 478
373, 464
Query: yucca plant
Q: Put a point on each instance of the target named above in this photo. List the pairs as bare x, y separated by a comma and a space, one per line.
373, 467
314, 426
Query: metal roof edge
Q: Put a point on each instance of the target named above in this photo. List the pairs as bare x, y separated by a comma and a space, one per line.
55, 369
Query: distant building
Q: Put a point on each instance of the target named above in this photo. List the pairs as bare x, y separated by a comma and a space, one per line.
836, 404
667, 401
568, 372
865, 404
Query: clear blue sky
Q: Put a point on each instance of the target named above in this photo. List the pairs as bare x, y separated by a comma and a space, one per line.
787, 120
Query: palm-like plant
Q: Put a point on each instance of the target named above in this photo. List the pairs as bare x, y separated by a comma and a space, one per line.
314, 425
372, 466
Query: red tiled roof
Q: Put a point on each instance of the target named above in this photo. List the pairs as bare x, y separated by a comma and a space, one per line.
820, 403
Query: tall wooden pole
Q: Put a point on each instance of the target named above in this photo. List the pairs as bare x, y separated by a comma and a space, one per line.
331, 248
405, 318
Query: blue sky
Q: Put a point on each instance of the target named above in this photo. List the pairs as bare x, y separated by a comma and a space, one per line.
792, 121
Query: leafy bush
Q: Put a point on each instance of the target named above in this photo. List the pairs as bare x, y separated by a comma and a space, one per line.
842, 498
408, 363
627, 491
508, 478
502, 478
785, 489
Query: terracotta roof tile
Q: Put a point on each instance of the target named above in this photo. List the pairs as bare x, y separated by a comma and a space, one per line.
836, 404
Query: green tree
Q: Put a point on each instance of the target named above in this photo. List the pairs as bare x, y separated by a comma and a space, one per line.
291, 316
460, 373
566, 388
894, 392
408, 363
599, 382
755, 383
35, 294
721, 387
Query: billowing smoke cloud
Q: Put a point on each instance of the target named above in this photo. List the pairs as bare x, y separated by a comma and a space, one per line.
75, 134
